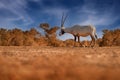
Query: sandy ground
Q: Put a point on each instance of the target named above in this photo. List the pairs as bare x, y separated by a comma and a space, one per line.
59, 63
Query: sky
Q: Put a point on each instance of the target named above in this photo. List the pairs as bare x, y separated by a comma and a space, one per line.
26, 14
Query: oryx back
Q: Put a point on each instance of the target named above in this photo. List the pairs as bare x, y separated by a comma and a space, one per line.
80, 30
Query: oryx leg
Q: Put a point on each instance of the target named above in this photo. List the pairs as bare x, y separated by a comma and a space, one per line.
79, 41
75, 37
93, 41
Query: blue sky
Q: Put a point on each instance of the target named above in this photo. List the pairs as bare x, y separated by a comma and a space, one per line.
25, 14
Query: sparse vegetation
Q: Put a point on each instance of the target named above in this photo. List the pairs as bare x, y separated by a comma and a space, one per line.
111, 38
17, 37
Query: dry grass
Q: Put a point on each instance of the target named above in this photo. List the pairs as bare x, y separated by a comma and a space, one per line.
59, 63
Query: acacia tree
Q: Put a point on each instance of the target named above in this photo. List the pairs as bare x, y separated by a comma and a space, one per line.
50, 33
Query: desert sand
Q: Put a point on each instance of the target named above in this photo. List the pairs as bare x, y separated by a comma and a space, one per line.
59, 63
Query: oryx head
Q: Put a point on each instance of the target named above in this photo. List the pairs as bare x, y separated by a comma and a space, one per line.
62, 25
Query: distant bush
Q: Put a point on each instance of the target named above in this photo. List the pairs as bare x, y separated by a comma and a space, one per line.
110, 38
17, 37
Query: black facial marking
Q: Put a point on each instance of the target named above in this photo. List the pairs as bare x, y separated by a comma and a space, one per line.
62, 31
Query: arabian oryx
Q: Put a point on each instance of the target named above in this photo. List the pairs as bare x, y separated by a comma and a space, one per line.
78, 30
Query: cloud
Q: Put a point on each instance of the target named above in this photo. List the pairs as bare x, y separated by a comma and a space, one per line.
15, 12
97, 14
104, 19
17, 7
54, 11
